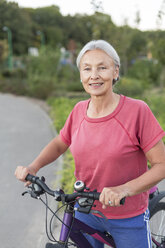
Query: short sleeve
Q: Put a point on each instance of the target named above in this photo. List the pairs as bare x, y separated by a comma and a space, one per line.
73, 121
149, 129
65, 132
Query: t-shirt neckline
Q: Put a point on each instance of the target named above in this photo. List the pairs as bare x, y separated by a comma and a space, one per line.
107, 117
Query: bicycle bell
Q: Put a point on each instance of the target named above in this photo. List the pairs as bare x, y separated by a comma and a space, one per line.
79, 186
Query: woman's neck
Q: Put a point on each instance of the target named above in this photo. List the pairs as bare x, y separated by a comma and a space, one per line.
102, 106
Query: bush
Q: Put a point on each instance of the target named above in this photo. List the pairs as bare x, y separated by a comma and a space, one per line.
42, 73
43, 76
46, 76
13, 86
18, 73
130, 87
157, 104
61, 108
146, 70
40, 87
69, 78
13, 81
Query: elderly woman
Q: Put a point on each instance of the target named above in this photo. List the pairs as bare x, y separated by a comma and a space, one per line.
111, 138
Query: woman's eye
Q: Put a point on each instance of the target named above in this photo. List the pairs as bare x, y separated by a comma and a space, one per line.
102, 67
87, 69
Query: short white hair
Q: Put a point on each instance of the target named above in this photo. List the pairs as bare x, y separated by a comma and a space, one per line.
102, 45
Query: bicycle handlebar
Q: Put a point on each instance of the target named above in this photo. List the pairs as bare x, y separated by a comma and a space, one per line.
39, 182
67, 197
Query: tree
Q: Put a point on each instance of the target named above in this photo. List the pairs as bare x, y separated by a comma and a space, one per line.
19, 23
123, 40
50, 21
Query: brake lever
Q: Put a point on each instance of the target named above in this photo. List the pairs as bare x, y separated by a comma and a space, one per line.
26, 192
34, 191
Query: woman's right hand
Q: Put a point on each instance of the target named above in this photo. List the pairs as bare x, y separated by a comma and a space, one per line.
21, 172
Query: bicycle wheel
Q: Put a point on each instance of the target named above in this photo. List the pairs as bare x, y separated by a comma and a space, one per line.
157, 225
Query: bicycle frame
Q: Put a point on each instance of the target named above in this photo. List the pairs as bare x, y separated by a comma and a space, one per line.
153, 201
74, 228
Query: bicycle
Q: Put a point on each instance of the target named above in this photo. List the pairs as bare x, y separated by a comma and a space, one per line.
72, 229
157, 217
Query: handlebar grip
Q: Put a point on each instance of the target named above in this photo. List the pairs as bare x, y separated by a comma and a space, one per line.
31, 178
97, 195
39, 182
28, 177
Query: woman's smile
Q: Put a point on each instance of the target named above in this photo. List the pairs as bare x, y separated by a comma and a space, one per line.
95, 85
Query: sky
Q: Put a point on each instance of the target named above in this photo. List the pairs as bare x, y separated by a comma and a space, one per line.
121, 11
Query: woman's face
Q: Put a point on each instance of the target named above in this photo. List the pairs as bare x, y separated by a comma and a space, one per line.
97, 71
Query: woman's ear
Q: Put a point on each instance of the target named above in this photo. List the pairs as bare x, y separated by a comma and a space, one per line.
116, 72
116, 75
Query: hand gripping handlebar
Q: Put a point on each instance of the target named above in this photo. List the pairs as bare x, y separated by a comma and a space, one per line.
59, 195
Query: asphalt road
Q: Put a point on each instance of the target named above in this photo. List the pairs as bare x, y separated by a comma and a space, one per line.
25, 129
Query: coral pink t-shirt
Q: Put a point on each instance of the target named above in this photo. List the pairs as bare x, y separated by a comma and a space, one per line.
110, 151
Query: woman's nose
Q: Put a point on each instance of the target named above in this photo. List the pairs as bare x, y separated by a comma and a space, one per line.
94, 74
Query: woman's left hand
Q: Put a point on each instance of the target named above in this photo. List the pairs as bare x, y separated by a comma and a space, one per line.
111, 196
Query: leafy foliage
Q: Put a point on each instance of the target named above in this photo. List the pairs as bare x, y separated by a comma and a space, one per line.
20, 24
156, 101
59, 29
145, 70
141, 53
13, 82
41, 73
130, 86
68, 178
61, 108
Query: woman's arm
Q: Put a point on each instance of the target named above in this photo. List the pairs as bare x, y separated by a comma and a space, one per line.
156, 157
50, 153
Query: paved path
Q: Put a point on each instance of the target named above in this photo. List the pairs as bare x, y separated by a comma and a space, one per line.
24, 130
